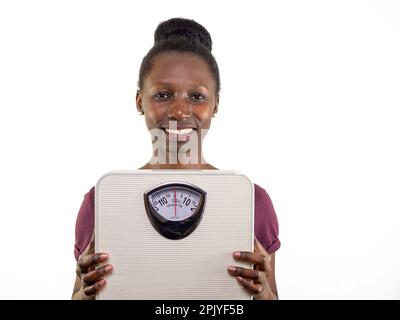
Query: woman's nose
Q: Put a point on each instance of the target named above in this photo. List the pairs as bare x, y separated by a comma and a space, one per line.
179, 109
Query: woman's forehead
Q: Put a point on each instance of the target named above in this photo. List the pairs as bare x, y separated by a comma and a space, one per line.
170, 68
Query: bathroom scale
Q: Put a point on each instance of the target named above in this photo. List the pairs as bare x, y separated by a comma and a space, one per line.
170, 234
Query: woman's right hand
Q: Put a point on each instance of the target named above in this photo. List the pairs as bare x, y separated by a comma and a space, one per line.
93, 278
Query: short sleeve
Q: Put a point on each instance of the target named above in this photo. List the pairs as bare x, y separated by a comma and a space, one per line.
266, 225
84, 225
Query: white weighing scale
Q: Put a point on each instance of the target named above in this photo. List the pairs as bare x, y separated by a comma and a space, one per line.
170, 234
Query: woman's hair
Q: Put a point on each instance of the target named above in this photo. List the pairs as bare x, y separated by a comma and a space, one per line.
181, 35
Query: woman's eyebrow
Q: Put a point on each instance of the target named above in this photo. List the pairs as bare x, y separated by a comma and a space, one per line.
168, 84
203, 86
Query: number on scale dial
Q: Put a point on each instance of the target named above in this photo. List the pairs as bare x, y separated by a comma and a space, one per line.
175, 203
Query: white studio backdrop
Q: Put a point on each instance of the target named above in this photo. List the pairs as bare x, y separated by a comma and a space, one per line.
309, 110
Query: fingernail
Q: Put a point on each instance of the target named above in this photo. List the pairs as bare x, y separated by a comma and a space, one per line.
236, 254
231, 269
240, 279
104, 256
102, 282
108, 267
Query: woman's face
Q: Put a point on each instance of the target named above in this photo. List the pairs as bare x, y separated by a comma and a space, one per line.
179, 88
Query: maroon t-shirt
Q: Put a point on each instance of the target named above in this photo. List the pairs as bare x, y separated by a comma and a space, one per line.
265, 223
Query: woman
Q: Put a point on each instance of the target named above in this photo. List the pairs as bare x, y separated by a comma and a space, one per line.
178, 95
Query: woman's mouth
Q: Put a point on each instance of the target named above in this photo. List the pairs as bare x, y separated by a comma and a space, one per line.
179, 132
183, 134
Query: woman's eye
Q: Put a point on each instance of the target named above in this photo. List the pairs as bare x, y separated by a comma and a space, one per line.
161, 96
198, 96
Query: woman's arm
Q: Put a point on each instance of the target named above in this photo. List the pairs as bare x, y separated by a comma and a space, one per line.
271, 277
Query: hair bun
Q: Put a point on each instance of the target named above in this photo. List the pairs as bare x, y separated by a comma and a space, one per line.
179, 27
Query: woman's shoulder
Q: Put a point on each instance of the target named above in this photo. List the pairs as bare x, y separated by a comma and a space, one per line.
258, 189
261, 196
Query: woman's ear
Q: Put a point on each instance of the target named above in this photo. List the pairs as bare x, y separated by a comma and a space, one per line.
216, 105
139, 102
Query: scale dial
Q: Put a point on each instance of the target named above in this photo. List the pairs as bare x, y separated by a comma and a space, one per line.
175, 203
175, 208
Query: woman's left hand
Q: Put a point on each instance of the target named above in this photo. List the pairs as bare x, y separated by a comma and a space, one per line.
254, 280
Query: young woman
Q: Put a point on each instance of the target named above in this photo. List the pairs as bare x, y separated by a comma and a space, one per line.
178, 95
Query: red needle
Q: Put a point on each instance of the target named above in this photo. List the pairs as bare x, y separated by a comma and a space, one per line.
174, 203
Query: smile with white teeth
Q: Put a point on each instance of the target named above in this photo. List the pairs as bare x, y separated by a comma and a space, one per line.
181, 131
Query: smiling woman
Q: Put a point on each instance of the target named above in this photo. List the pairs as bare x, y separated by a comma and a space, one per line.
178, 95
179, 86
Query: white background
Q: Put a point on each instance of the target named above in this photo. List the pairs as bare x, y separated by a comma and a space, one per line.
309, 110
